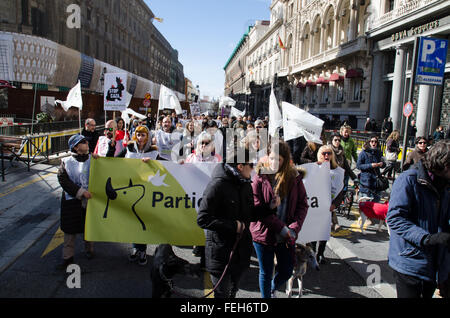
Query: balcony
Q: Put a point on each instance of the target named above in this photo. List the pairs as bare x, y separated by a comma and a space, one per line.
401, 11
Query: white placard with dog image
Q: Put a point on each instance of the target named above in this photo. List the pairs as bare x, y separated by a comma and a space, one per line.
114, 92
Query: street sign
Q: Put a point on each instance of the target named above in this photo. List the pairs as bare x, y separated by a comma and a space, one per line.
407, 109
431, 61
146, 102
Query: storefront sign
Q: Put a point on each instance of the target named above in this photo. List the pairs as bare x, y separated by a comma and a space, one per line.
414, 31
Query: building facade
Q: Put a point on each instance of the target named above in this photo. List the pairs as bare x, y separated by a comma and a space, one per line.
393, 26
263, 61
235, 71
52, 44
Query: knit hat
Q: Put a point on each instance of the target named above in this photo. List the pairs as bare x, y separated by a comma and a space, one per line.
75, 140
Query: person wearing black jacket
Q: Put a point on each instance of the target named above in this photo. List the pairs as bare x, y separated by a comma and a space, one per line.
90, 134
225, 213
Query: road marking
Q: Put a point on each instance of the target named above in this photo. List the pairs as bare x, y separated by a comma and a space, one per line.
40, 178
57, 240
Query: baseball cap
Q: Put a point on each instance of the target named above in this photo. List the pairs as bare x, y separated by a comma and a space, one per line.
75, 140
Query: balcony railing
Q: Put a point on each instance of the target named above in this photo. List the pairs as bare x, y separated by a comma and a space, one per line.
408, 7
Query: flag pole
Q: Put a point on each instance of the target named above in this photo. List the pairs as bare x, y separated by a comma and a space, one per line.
79, 119
34, 106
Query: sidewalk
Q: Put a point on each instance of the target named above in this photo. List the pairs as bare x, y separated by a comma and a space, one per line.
29, 208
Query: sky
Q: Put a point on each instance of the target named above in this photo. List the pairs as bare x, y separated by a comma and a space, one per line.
205, 33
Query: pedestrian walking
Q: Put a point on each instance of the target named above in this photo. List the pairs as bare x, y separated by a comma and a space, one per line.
392, 151
418, 152
73, 176
326, 154
419, 222
439, 134
90, 134
369, 163
282, 195
140, 147
107, 143
225, 213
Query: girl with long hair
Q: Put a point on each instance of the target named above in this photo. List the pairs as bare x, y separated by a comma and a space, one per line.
280, 192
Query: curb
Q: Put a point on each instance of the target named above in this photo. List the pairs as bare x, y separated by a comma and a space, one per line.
362, 268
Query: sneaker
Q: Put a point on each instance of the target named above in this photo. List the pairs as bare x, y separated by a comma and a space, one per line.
133, 256
322, 260
143, 258
273, 294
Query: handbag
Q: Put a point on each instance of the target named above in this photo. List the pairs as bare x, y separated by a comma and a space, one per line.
391, 156
381, 183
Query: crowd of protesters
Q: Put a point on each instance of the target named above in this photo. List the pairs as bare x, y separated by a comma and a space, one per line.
272, 206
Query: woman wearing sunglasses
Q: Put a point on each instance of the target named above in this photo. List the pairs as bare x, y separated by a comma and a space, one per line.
278, 190
205, 150
326, 154
370, 160
418, 152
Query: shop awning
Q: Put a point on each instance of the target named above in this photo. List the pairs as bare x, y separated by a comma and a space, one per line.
322, 80
336, 77
310, 83
354, 73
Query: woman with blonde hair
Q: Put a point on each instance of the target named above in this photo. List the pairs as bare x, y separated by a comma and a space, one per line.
140, 147
279, 192
326, 154
392, 151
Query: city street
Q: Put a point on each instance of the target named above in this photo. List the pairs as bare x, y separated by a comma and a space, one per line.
31, 247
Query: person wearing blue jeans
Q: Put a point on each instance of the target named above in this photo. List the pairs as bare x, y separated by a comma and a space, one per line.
277, 189
285, 265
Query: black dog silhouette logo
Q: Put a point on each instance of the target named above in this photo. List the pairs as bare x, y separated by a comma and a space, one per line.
134, 192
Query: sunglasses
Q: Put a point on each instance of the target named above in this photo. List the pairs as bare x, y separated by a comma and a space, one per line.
422, 142
374, 141
337, 140
206, 143
326, 153
109, 129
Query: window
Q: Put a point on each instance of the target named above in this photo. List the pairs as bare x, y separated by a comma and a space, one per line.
389, 5
325, 90
339, 91
357, 84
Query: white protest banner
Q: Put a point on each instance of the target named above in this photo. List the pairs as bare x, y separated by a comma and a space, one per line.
236, 112
337, 181
317, 224
169, 100
115, 94
225, 101
74, 98
275, 119
297, 123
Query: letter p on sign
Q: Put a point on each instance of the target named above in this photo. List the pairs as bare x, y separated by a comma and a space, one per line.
428, 48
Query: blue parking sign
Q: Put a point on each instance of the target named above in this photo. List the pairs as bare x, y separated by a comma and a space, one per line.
431, 60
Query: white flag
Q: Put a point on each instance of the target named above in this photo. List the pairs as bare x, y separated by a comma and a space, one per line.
297, 123
74, 98
275, 119
225, 101
168, 100
128, 98
236, 112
